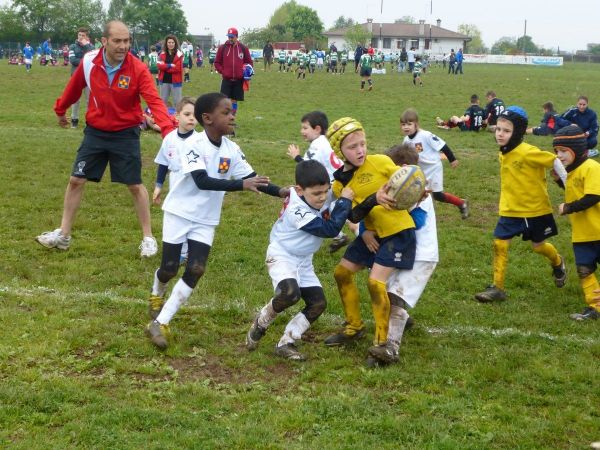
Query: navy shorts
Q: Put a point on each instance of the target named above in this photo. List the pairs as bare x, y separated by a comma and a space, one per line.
397, 250
366, 72
233, 89
587, 253
119, 148
535, 229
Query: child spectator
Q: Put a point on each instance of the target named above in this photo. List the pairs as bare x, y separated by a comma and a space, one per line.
551, 122
587, 120
210, 165
281, 60
471, 120
418, 67
153, 63
295, 237
395, 230
582, 197
525, 207
493, 109
404, 287
212, 54
313, 129
199, 58
429, 146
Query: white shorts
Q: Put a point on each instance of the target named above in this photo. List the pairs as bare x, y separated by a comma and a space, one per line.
283, 267
177, 230
410, 284
435, 179
28, 61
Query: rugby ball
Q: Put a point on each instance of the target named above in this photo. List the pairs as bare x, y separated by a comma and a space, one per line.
407, 186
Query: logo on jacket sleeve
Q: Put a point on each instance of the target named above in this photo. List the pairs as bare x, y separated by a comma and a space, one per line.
224, 164
123, 82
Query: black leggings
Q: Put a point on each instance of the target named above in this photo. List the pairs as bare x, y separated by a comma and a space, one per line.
196, 262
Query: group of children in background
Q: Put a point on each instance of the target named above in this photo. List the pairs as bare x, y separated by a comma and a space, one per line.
398, 247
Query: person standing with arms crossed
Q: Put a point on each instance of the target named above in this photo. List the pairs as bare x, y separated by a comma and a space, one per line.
116, 80
76, 51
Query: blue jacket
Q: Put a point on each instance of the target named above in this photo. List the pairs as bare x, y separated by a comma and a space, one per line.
28, 52
587, 121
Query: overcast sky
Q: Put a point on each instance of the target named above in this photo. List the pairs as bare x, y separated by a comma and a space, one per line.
569, 25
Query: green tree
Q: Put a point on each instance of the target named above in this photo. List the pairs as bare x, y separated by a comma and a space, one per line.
304, 23
525, 44
116, 9
406, 19
155, 18
12, 27
357, 35
41, 17
281, 15
504, 46
258, 37
476, 44
342, 22
594, 49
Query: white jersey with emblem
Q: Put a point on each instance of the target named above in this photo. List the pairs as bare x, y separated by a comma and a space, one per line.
226, 162
320, 150
428, 145
286, 235
169, 154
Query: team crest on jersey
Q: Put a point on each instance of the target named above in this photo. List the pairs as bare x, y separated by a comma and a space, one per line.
418, 147
124, 81
365, 178
224, 164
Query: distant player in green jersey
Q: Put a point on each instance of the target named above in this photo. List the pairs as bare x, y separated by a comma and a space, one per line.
366, 68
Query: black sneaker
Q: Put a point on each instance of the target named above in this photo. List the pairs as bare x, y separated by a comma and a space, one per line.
338, 242
410, 322
343, 338
289, 351
384, 353
560, 273
74, 123
464, 210
491, 294
255, 334
588, 313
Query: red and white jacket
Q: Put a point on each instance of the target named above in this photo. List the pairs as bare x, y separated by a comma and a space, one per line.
115, 106
175, 68
230, 60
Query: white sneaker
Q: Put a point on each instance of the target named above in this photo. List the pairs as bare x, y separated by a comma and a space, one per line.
54, 239
148, 247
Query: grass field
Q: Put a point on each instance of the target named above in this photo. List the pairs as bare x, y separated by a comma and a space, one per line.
76, 370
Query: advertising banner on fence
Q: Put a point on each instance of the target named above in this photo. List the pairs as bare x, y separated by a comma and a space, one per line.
514, 59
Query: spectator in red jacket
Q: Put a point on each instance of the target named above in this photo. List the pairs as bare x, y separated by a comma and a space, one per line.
229, 62
170, 70
116, 80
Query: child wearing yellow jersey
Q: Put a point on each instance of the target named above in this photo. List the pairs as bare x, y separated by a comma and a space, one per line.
367, 176
525, 207
582, 197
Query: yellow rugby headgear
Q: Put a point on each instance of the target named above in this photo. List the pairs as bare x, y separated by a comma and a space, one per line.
338, 131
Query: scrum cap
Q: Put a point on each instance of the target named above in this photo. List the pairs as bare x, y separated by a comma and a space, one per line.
338, 131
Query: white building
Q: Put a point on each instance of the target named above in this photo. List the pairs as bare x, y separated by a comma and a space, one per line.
392, 37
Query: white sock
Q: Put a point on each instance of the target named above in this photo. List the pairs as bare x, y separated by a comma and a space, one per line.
294, 329
267, 315
398, 318
158, 287
181, 292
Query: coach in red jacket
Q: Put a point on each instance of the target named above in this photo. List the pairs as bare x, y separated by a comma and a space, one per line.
229, 62
116, 80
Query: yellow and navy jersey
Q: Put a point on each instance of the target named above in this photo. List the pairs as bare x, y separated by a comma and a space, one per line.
523, 187
367, 179
585, 179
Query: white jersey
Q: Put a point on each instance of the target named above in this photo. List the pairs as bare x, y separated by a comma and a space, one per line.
320, 150
286, 235
428, 145
426, 236
225, 162
169, 154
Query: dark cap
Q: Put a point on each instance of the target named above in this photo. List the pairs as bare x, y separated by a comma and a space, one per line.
572, 138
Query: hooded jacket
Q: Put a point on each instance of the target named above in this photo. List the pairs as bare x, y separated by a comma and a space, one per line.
230, 60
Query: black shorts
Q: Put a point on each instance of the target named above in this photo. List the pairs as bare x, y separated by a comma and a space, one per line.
534, 229
397, 250
119, 148
365, 72
233, 89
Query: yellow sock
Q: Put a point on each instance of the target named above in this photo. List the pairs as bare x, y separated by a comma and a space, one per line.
589, 284
350, 299
500, 261
549, 251
380, 303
